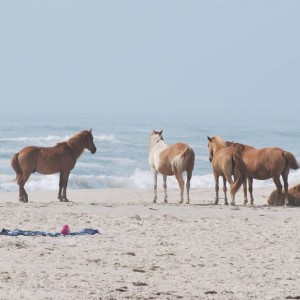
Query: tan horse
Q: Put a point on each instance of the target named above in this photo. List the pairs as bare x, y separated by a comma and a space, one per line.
226, 162
170, 160
49, 160
293, 197
264, 164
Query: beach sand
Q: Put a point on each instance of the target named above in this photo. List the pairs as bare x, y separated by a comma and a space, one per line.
149, 251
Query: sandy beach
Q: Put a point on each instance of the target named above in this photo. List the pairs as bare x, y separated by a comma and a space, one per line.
149, 251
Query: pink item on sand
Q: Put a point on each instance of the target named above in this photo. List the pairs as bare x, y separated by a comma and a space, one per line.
65, 230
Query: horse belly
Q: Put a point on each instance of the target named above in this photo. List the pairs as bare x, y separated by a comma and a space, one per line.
51, 165
166, 170
258, 172
47, 169
164, 167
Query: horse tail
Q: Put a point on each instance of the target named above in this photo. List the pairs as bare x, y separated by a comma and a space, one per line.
242, 172
16, 166
291, 160
184, 161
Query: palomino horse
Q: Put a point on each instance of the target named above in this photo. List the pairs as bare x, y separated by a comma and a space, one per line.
264, 164
58, 159
170, 160
226, 162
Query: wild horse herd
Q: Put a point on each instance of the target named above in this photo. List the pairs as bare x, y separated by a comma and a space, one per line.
235, 163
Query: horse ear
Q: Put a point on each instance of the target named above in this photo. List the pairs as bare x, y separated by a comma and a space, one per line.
209, 138
160, 132
90, 131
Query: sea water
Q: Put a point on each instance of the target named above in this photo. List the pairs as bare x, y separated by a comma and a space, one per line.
121, 160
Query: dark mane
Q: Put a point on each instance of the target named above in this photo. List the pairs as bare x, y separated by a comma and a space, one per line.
239, 146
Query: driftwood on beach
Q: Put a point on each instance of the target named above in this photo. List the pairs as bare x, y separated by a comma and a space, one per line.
293, 197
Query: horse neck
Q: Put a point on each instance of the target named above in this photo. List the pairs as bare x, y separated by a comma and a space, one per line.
76, 146
218, 147
157, 145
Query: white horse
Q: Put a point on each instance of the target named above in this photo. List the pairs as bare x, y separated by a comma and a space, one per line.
170, 160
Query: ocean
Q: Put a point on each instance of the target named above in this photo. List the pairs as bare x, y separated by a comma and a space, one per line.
121, 160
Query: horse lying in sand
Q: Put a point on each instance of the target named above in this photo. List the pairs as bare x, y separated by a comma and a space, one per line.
49, 160
170, 160
226, 162
293, 197
264, 164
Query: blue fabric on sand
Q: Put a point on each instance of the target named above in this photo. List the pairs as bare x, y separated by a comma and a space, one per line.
85, 231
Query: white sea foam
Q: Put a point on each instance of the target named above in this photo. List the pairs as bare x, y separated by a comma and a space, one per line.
106, 138
55, 138
139, 179
49, 138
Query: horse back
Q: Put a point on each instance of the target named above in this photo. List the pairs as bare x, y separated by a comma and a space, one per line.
264, 163
168, 155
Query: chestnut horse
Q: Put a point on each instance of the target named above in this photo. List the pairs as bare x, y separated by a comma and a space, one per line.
170, 160
293, 196
226, 162
49, 160
264, 164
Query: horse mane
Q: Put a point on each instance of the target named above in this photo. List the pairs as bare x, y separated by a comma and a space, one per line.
239, 146
219, 141
79, 135
76, 142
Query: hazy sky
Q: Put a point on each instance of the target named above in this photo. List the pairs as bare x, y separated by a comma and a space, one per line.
116, 57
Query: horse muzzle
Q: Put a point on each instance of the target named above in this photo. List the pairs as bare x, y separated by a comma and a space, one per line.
93, 151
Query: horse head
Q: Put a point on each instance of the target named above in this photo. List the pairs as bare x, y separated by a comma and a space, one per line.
214, 144
155, 137
210, 148
90, 142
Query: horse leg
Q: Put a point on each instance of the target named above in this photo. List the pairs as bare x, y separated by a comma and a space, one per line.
250, 186
154, 173
245, 191
60, 186
65, 184
216, 188
279, 189
165, 188
286, 186
23, 197
181, 185
229, 179
188, 185
225, 189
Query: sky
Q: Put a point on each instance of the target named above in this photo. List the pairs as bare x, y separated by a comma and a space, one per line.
150, 57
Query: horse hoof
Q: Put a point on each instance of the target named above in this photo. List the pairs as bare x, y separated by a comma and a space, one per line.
226, 203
